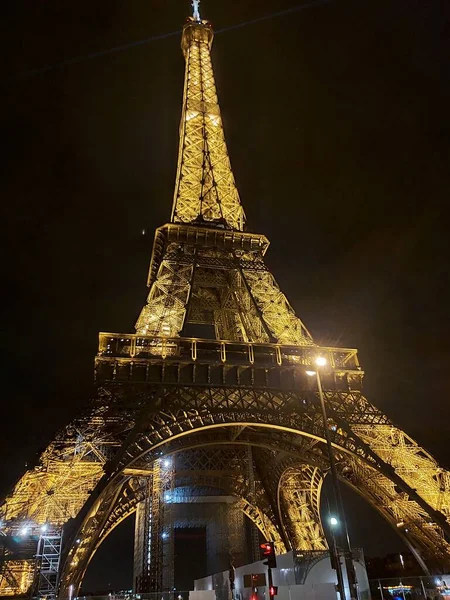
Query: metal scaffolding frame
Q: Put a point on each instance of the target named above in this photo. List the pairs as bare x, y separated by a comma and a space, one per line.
47, 565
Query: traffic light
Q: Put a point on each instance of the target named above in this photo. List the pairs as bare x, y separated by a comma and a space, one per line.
268, 551
273, 590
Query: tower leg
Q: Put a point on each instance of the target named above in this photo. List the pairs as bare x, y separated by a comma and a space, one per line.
236, 535
254, 535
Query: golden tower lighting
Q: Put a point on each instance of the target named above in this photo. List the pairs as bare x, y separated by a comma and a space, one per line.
240, 398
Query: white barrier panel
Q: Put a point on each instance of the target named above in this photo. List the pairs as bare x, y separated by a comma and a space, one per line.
311, 591
202, 595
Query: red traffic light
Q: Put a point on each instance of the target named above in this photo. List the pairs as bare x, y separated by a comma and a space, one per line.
268, 551
267, 548
273, 591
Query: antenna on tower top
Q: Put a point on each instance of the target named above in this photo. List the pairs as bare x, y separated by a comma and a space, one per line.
196, 11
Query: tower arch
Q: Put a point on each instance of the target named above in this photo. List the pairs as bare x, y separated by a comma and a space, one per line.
281, 429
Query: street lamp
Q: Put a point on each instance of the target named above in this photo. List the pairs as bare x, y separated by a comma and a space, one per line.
321, 361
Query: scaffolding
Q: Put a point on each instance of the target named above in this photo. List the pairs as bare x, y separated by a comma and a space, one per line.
47, 565
153, 548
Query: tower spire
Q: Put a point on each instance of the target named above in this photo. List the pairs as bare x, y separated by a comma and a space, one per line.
205, 190
196, 10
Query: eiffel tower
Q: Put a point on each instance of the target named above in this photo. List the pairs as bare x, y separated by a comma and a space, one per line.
230, 412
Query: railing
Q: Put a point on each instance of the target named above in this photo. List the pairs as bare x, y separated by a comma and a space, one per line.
143, 348
150, 359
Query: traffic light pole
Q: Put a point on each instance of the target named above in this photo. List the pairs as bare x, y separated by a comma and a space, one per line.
348, 557
231, 576
271, 562
270, 582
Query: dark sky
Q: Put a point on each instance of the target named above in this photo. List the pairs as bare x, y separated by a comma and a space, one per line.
338, 126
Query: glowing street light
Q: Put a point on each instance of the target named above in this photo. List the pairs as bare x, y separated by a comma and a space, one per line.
24, 531
320, 361
166, 463
333, 521
44, 527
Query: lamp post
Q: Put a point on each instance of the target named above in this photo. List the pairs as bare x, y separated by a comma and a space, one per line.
345, 540
334, 557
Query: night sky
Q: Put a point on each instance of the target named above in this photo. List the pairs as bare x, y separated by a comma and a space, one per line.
338, 126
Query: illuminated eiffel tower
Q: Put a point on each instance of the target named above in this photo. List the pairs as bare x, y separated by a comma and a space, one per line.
230, 413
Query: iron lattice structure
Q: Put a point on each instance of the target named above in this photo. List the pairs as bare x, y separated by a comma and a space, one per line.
243, 395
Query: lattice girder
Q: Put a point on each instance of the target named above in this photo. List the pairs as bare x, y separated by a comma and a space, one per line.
411, 462
299, 496
295, 488
165, 310
410, 521
225, 287
16, 577
205, 190
56, 489
278, 314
